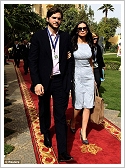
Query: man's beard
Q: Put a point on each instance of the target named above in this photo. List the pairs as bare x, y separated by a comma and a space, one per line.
54, 28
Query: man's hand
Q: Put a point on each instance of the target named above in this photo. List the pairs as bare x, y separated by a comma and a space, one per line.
39, 90
68, 54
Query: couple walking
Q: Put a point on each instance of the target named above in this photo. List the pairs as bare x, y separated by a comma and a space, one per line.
55, 62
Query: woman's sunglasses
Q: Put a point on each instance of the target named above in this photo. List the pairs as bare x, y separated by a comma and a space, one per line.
82, 28
95, 38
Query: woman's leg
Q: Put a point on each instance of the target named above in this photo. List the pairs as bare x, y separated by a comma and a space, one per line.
85, 118
73, 120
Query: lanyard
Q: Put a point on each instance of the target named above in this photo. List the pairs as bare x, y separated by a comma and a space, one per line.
53, 44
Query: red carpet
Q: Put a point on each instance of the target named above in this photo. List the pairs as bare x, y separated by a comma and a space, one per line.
105, 139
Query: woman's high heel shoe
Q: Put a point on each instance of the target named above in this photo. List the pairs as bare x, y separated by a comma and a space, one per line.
73, 130
83, 141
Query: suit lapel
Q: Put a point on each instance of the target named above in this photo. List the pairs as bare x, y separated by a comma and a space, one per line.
47, 43
60, 46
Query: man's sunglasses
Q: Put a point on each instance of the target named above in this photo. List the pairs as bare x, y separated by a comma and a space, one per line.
95, 38
82, 28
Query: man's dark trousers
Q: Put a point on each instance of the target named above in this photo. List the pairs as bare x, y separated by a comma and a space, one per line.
60, 103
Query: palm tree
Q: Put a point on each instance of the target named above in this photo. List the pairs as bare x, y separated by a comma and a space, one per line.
106, 8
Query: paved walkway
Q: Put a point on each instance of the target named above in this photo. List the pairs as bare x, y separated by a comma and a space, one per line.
109, 53
21, 139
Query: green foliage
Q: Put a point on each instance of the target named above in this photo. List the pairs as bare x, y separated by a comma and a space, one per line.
64, 7
111, 57
110, 89
7, 24
107, 45
19, 20
105, 8
108, 29
73, 15
8, 149
83, 15
69, 20
86, 14
7, 6
113, 48
114, 65
94, 27
112, 62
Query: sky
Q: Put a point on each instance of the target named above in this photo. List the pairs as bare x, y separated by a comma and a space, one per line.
98, 14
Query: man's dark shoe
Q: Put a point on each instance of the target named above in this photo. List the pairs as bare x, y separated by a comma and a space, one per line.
64, 157
47, 141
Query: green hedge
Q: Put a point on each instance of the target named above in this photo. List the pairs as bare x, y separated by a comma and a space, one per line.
8, 149
114, 65
113, 48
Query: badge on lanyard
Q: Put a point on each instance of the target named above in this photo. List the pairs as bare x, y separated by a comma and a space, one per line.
53, 44
56, 56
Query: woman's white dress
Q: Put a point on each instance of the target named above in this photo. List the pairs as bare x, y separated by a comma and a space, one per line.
83, 83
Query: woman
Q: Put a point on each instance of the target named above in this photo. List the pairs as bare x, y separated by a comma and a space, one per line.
98, 62
83, 82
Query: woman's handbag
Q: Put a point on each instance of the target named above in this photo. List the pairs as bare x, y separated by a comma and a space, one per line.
97, 112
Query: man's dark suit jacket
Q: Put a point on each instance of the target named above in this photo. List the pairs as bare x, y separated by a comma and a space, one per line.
40, 59
16, 50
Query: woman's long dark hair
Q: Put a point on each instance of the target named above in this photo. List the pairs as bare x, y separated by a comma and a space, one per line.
74, 37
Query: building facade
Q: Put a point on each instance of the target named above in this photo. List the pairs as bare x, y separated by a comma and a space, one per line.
41, 9
115, 39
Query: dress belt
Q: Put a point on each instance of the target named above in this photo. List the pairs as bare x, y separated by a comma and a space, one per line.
55, 76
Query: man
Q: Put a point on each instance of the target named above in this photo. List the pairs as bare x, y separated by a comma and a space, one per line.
16, 52
50, 64
25, 53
